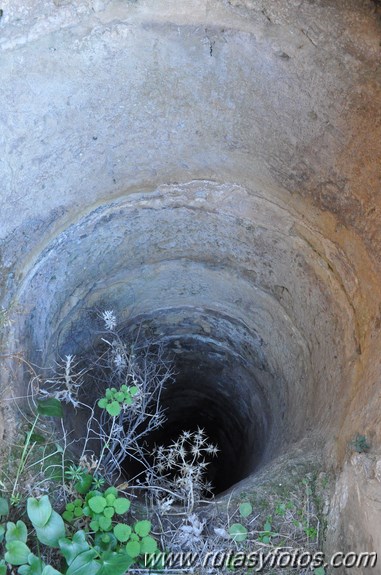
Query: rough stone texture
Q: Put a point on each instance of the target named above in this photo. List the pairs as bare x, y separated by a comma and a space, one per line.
219, 158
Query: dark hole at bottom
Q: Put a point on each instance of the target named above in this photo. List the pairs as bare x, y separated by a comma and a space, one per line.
192, 403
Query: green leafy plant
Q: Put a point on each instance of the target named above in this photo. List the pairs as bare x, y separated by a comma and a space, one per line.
116, 400
90, 534
98, 482
82, 479
102, 508
238, 532
245, 509
266, 534
101, 512
280, 509
106, 547
311, 532
360, 443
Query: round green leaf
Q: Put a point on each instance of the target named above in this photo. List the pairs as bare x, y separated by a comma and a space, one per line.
113, 408
91, 494
104, 523
245, 509
78, 512
39, 510
119, 396
102, 403
238, 532
108, 511
133, 548
121, 505
122, 532
94, 525
111, 491
16, 532
133, 390
70, 507
110, 498
148, 545
97, 503
142, 528
52, 531
17, 553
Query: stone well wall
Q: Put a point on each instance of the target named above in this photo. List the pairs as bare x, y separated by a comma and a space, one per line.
211, 169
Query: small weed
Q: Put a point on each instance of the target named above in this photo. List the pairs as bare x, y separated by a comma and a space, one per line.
105, 544
360, 444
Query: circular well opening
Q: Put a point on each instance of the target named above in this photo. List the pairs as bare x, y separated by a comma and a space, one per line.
252, 314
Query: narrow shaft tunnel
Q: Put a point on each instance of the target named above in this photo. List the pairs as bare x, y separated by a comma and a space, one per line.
212, 390
255, 319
